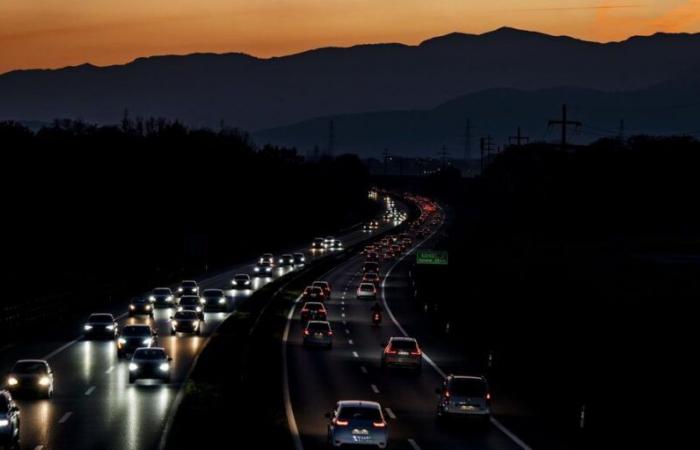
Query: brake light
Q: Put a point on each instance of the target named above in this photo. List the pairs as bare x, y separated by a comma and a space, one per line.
306, 332
447, 394
330, 333
342, 423
389, 351
379, 424
488, 396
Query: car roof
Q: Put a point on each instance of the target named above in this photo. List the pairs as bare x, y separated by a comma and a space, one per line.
31, 361
189, 281
241, 275
314, 304
162, 287
359, 403
323, 322
466, 377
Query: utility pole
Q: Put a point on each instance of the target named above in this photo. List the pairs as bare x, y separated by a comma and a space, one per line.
486, 147
565, 123
331, 138
387, 158
518, 138
443, 155
468, 141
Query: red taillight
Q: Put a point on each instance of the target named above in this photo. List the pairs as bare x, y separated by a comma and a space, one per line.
417, 353
488, 396
379, 424
330, 333
341, 423
447, 394
306, 332
389, 351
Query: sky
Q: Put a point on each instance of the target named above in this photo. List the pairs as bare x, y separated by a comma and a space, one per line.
57, 33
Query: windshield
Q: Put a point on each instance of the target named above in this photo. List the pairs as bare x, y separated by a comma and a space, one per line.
139, 301
215, 293
189, 284
241, 277
185, 315
4, 404
101, 318
313, 306
136, 331
29, 367
318, 326
188, 301
359, 413
366, 287
467, 387
162, 291
404, 345
150, 353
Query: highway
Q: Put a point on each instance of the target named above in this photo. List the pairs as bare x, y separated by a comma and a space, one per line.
93, 406
315, 379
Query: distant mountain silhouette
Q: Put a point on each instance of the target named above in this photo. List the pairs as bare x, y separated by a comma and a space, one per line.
253, 93
671, 107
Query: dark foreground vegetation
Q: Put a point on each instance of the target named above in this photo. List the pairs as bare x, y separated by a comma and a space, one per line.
578, 273
94, 214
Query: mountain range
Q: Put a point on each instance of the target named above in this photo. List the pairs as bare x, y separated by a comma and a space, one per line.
494, 76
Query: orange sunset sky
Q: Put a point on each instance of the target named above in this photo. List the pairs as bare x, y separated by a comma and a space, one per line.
55, 33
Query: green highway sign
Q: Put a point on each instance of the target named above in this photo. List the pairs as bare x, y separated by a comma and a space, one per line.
431, 257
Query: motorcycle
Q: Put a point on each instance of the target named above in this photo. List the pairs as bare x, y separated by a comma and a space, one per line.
376, 318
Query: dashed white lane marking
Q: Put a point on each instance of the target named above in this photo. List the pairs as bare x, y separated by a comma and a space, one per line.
351, 342
342, 315
342, 303
355, 354
90, 390
510, 434
375, 389
363, 369
390, 413
111, 368
65, 417
413, 444
347, 331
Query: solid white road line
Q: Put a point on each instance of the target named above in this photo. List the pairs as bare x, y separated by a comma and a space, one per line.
363, 369
351, 342
355, 354
65, 417
60, 349
413, 444
519, 442
90, 390
390, 413
111, 368
375, 389
347, 331
289, 411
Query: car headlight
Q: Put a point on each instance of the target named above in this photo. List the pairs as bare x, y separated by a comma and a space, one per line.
199, 309
174, 323
12, 381
179, 308
202, 300
122, 341
195, 323
87, 327
281, 261
151, 298
147, 341
164, 367
222, 300
257, 269
110, 327
132, 307
133, 366
247, 282
4, 422
268, 269
148, 307
44, 381
169, 298
194, 289
179, 289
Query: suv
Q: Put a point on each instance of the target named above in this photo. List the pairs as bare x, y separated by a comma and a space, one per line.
464, 396
357, 422
402, 352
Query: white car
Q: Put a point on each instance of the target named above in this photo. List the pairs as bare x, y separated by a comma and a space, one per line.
357, 422
367, 291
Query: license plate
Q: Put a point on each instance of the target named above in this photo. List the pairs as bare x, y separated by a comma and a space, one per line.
467, 408
319, 335
403, 353
361, 438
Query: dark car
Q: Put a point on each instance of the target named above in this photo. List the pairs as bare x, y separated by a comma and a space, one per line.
402, 352
185, 322
188, 287
313, 311
162, 297
267, 257
150, 363
241, 281
370, 266
263, 269
132, 337
326, 286
140, 306
214, 299
286, 260
191, 303
9, 420
318, 333
31, 376
100, 326
313, 293
464, 396
299, 259
318, 245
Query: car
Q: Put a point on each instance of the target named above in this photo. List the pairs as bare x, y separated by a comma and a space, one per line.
402, 352
185, 322
100, 325
150, 363
299, 259
464, 396
191, 303
313, 293
9, 421
263, 269
31, 376
267, 257
374, 224
396, 248
389, 256
162, 297
335, 244
328, 241
366, 291
313, 311
357, 422
318, 333
286, 260
370, 266
188, 287
326, 286
318, 245
367, 228
370, 277
214, 299
369, 248
132, 337
372, 256
140, 306
241, 281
